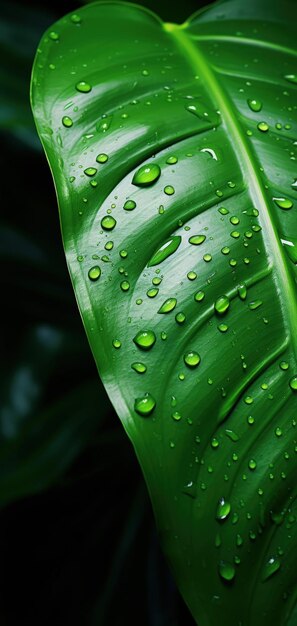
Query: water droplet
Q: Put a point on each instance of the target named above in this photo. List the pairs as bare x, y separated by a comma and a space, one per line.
222, 304
223, 328
249, 400
199, 296
129, 205
252, 464
191, 275
234, 220
171, 160
292, 78
284, 365
225, 250
231, 434
168, 305
214, 443
223, 509
145, 339
146, 175
196, 240
192, 359
145, 405
255, 304
54, 36
263, 127
94, 273
235, 234
270, 568
116, 343
151, 293
255, 105
176, 416
278, 431
283, 203
239, 540
90, 171
108, 222
168, 248
125, 285
242, 291
169, 190
180, 318
207, 258
102, 158
226, 571
75, 18
67, 121
139, 367
223, 211
83, 87
293, 383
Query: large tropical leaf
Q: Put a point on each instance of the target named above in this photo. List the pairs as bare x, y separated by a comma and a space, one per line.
173, 154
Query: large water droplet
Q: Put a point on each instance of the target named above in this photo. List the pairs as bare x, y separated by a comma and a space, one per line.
192, 359
168, 248
270, 568
226, 571
169, 190
145, 339
145, 404
283, 203
222, 304
67, 121
90, 171
293, 383
255, 105
102, 158
108, 222
196, 240
168, 305
146, 175
83, 87
223, 509
263, 127
94, 273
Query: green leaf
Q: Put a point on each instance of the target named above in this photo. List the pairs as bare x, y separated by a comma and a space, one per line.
173, 154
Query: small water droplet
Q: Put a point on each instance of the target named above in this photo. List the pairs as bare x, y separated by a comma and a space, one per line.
252, 464
191, 275
223, 328
192, 359
168, 305
145, 405
293, 383
207, 258
139, 367
75, 18
292, 78
169, 190
90, 171
284, 365
255, 304
223, 211
226, 571
67, 121
172, 160
196, 240
153, 292
242, 291
223, 510
83, 87
168, 248
125, 285
180, 318
108, 222
263, 127
54, 36
116, 343
176, 416
94, 273
145, 339
199, 296
232, 435
222, 304
255, 105
283, 203
102, 158
270, 568
146, 175
129, 205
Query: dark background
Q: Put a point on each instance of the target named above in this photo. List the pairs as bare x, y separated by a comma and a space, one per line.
78, 541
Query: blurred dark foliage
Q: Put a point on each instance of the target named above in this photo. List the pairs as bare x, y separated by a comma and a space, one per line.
78, 544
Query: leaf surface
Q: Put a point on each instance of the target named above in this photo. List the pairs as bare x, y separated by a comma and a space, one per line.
173, 154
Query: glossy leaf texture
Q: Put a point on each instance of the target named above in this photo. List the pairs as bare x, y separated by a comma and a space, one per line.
173, 150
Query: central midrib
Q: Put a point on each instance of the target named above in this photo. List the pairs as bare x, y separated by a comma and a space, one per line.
274, 249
